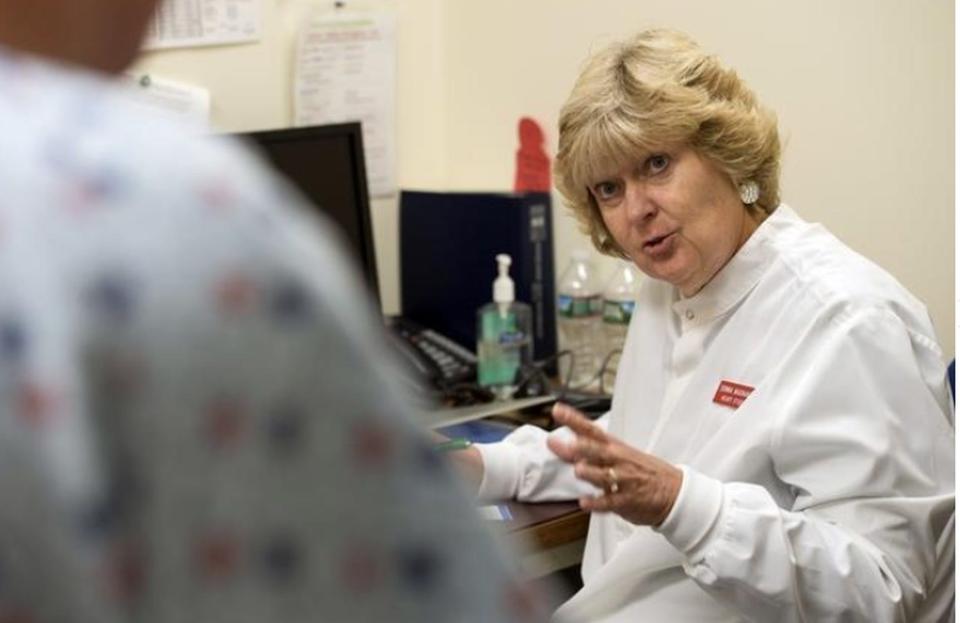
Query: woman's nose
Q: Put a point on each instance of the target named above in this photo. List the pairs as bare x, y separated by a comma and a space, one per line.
640, 206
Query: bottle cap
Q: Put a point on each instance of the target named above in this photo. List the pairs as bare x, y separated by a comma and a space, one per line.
503, 284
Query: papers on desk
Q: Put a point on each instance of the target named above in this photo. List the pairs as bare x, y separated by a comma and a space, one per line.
478, 431
447, 417
500, 512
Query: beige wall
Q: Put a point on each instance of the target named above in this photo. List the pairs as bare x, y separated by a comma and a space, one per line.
864, 91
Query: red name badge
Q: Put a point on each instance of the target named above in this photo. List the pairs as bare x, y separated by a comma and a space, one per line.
731, 394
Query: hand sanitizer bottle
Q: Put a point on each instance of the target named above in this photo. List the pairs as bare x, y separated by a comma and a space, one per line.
504, 342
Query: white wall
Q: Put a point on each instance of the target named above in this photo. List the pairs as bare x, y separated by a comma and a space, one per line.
251, 88
863, 88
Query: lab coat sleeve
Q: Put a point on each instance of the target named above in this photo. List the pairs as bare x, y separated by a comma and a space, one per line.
522, 467
865, 444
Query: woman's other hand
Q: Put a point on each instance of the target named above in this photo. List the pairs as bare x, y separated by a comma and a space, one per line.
468, 462
638, 486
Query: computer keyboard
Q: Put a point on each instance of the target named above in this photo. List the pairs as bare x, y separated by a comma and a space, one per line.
438, 359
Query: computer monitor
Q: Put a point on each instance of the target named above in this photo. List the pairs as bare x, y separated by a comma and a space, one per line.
326, 164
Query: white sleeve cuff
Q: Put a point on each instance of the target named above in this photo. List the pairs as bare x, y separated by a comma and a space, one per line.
695, 512
501, 470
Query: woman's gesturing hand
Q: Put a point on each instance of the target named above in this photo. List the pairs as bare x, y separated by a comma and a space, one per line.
638, 486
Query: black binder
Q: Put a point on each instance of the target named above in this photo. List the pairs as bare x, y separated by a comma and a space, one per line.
448, 242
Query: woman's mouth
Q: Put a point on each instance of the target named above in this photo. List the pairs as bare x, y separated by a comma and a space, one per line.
661, 245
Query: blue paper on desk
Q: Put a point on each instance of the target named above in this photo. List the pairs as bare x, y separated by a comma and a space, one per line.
477, 431
499, 512
483, 431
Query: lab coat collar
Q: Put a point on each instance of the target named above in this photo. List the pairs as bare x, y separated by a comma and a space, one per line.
735, 280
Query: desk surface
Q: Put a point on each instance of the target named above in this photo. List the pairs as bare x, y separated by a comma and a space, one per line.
548, 524
552, 534
439, 418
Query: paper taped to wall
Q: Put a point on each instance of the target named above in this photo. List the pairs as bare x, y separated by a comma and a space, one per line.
189, 23
186, 102
346, 71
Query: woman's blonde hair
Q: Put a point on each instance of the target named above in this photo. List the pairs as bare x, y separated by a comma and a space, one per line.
659, 88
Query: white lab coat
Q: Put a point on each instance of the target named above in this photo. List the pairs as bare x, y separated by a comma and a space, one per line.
827, 495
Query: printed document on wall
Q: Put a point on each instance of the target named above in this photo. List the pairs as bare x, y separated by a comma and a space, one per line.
346, 71
185, 102
190, 23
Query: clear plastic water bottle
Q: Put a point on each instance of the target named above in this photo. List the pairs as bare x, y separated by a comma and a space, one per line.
619, 299
579, 312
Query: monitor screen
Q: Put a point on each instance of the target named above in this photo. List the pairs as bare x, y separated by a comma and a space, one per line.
326, 163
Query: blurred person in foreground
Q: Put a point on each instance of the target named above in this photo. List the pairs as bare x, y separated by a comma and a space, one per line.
780, 446
193, 419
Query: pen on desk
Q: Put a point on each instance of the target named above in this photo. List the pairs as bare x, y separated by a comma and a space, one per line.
458, 443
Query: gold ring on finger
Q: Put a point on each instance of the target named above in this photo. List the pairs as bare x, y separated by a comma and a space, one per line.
614, 483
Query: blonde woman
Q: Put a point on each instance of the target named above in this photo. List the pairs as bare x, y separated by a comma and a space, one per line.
780, 443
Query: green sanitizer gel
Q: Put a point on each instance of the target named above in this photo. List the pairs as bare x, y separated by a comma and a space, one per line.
504, 343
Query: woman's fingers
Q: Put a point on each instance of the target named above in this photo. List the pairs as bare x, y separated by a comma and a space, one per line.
599, 477
580, 449
565, 415
606, 503
591, 442
566, 450
639, 487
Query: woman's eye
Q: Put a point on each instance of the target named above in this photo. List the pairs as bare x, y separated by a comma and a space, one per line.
605, 190
657, 163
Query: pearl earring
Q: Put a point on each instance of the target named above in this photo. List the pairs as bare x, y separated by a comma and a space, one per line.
749, 192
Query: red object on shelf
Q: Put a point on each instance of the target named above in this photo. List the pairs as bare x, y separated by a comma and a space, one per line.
533, 163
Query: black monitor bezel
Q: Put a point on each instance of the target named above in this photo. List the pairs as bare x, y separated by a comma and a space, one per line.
352, 131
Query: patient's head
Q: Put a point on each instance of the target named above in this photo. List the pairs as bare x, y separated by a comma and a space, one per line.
100, 34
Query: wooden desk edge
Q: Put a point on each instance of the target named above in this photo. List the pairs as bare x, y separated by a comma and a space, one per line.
558, 531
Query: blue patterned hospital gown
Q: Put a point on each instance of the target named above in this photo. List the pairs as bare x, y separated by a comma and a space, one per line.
197, 423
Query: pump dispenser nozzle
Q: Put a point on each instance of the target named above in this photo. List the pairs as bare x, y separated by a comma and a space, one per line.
503, 285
